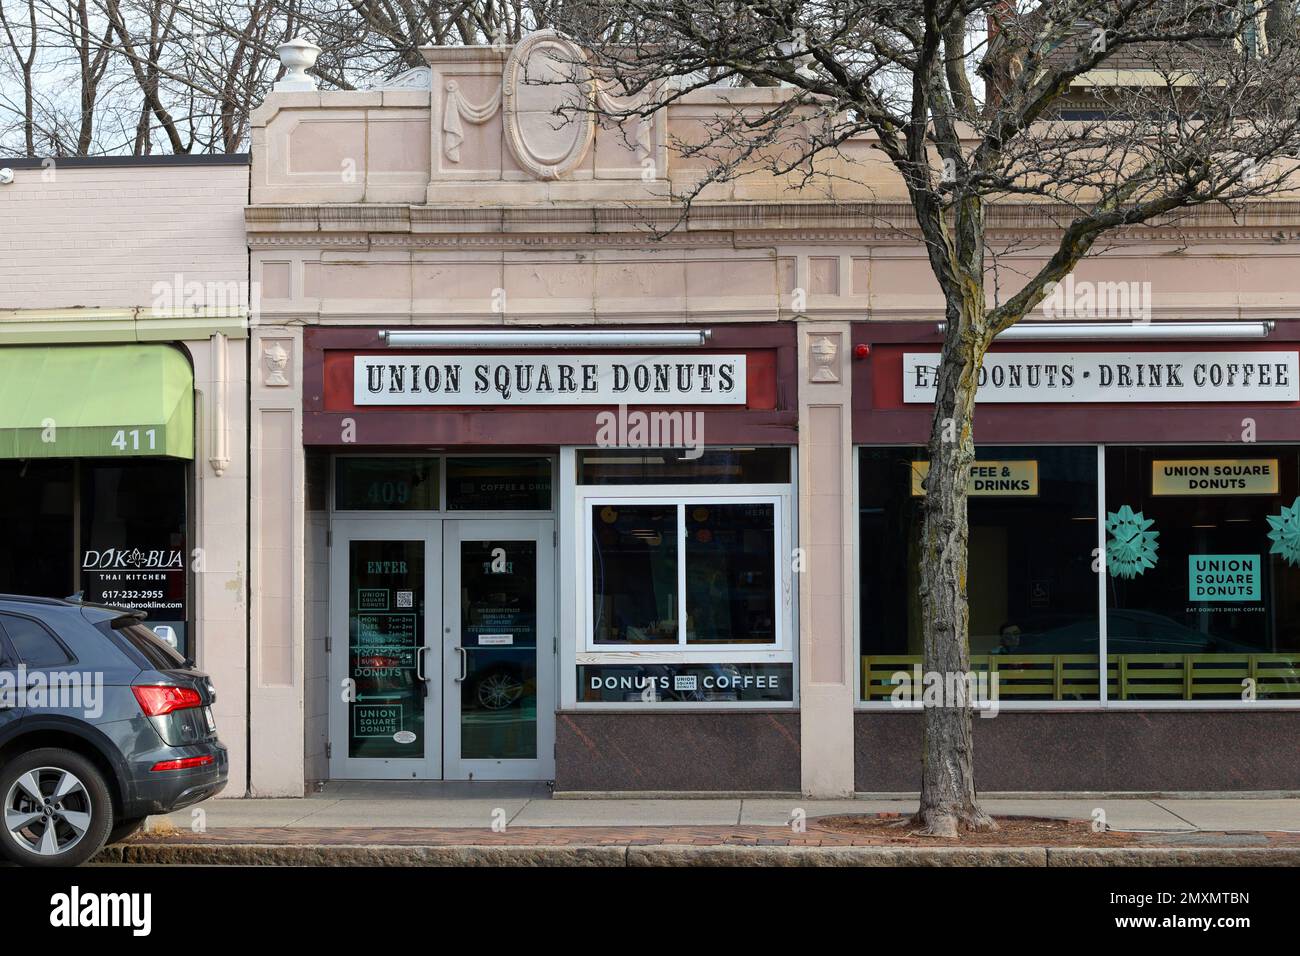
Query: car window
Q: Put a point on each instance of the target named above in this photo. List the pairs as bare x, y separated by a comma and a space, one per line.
154, 649
34, 645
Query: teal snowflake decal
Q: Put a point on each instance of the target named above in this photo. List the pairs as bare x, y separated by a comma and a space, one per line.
1131, 548
1286, 533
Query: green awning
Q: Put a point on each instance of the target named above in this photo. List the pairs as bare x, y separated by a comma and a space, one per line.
96, 401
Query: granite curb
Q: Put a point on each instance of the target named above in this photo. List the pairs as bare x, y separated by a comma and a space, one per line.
244, 854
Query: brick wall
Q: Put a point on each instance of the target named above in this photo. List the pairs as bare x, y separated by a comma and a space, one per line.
103, 235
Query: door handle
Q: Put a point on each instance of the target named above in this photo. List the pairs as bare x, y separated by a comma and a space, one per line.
464, 663
419, 663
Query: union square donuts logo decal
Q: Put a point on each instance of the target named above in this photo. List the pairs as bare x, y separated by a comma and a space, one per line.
1285, 533
1131, 548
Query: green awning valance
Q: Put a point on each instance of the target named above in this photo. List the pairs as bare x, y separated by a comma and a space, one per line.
96, 401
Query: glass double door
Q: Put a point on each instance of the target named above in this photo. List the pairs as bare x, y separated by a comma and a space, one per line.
442, 650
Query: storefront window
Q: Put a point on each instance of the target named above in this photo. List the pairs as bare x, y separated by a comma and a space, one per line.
634, 574
688, 578
731, 574
1203, 572
711, 561
133, 551
115, 530
1031, 584
36, 509
726, 568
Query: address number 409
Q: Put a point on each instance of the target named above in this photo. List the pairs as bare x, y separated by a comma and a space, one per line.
130, 440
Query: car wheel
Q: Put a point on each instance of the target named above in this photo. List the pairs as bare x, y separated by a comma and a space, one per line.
57, 810
124, 829
498, 691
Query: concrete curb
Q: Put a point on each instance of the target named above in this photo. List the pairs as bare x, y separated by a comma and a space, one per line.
915, 795
251, 854
671, 855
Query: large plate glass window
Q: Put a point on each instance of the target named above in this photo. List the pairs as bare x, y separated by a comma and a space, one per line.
1203, 571
1032, 587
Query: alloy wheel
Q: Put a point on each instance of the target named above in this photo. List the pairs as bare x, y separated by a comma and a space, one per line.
47, 811
499, 691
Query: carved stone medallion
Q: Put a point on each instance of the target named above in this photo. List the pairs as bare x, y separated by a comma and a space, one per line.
547, 92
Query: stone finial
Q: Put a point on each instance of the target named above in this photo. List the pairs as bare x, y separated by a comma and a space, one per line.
298, 56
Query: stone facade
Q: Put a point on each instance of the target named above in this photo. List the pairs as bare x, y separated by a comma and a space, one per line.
446, 201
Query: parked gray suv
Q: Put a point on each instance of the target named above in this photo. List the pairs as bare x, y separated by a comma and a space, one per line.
101, 725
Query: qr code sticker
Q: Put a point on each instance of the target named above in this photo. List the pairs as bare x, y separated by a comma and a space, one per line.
405, 598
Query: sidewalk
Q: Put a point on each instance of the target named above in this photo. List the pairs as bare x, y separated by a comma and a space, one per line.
360, 823
432, 805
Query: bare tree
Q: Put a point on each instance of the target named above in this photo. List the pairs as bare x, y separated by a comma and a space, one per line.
23, 51
971, 104
111, 76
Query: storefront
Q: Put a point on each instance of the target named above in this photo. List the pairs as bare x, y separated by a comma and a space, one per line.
579, 533
97, 443
473, 551
1134, 517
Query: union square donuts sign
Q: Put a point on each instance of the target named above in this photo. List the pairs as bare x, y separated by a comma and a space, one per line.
1082, 377
549, 380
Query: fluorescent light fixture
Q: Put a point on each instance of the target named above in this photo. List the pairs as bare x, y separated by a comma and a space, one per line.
543, 338
1047, 331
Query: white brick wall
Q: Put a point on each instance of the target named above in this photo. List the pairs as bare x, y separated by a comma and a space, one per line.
102, 236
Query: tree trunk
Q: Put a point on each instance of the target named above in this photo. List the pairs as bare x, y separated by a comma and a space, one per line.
948, 804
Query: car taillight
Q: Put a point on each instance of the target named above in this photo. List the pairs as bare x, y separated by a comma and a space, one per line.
185, 763
158, 700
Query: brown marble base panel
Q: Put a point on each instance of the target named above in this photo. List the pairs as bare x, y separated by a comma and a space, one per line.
677, 751
1113, 751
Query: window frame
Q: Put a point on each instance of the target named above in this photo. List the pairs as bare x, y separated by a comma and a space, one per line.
440, 509
1103, 702
682, 497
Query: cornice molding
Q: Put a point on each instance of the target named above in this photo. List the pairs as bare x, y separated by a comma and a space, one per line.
405, 226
